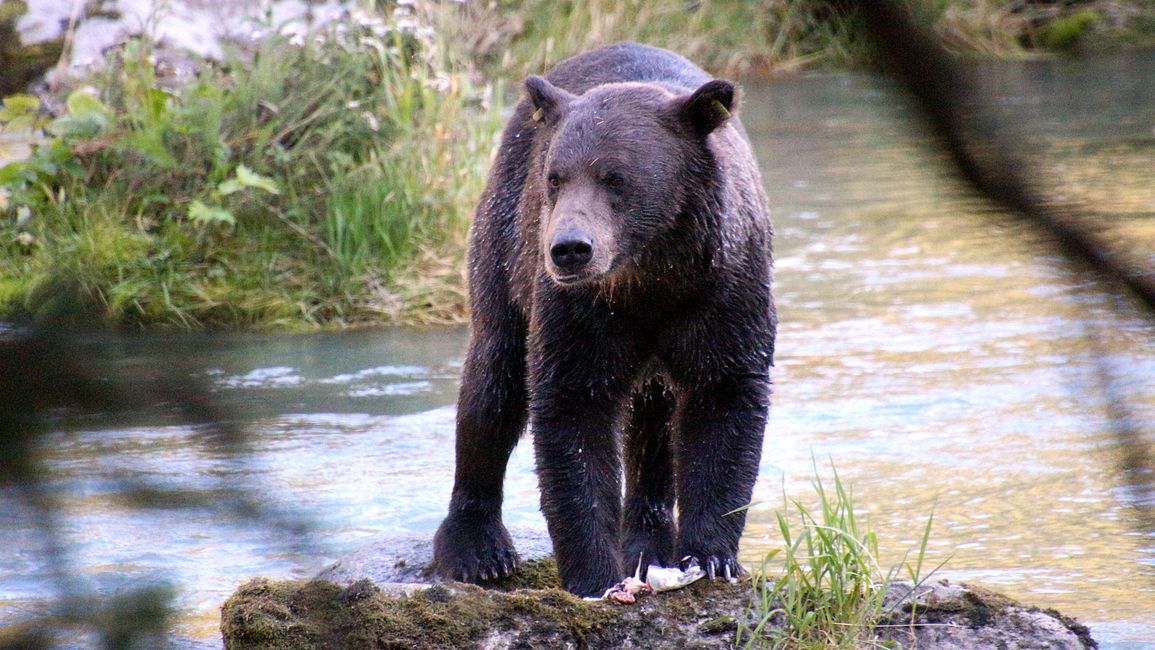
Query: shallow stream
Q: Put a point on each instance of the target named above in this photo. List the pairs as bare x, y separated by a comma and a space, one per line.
938, 354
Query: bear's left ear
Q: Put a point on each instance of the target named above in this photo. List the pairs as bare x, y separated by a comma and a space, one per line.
708, 107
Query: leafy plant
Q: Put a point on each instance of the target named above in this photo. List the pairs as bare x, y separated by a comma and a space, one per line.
830, 592
206, 215
21, 113
293, 184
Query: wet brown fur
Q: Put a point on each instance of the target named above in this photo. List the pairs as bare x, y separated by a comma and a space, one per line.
657, 355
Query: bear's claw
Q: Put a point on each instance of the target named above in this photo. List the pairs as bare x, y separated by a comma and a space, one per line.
729, 567
479, 570
470, 551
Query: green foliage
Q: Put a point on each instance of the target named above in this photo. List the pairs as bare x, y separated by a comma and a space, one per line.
330, 180
831, 589
280, 188
518, 37
21, 113
723, 36
1064, 32
815, 32
206, 215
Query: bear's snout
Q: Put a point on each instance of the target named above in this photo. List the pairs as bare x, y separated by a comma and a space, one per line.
571, 251
578, 239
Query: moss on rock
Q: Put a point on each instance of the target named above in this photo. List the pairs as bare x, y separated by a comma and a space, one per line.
538, 573
22, 64
530, 611
274, 615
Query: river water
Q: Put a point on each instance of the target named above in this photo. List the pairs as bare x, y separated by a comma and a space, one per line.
936, 353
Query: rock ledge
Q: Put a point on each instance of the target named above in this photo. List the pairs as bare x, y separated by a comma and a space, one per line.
381, 596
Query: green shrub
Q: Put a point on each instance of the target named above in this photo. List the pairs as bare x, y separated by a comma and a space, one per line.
288, 186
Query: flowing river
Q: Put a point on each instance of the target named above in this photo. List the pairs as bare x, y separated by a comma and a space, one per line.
942, 357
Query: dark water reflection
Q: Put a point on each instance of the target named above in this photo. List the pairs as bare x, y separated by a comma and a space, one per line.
937, 354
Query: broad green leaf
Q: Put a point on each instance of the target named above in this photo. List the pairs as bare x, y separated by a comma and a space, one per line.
82, 104
15, 106
78, 128
229, 186
249, 178
26, 123
17, 172
202, 214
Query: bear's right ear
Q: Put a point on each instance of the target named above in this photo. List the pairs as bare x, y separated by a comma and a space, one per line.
708, 107
548, 100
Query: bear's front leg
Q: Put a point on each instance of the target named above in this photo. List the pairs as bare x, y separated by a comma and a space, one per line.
648, 529
472, 544
719, 445
576, 393
580, 476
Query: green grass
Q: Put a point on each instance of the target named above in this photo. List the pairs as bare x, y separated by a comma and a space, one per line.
829, 592
293, 186
514, 38
728, 37
330, 182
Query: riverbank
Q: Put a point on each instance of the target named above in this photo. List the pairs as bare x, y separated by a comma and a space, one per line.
316, 177
382, 595
324, 176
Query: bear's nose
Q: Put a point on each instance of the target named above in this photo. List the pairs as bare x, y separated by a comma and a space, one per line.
571, 250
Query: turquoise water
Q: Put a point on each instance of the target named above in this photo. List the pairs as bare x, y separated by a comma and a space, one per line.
937, 354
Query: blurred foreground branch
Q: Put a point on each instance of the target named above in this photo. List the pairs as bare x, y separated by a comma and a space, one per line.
945, 94
942, 90
50, 374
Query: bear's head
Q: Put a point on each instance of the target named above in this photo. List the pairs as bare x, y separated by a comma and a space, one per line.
621, 163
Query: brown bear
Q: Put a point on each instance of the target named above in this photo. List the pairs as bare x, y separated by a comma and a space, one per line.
620, 276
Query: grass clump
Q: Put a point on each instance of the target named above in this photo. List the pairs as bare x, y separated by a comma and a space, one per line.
831, 591
519, 37
295, 184
514, 38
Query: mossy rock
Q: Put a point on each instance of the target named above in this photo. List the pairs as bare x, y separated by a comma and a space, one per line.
381, 597
274, 615
950, 615
277, 615
21, 64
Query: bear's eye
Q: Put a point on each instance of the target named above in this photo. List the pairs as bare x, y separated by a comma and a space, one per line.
554, 181
614, 179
